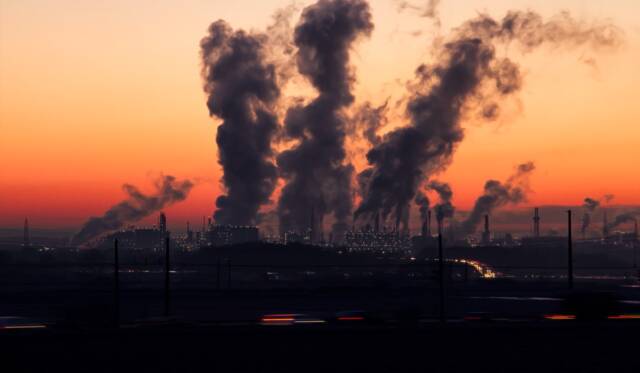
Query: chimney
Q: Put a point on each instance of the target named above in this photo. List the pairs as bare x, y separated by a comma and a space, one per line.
605, 225
377, 222
425, 228
486, 235
312, 226
536, 223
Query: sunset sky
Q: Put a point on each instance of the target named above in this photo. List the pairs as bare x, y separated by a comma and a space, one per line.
97, 94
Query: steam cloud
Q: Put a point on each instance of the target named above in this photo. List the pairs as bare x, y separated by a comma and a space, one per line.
317, 176
242, 90
466, 78
497, 194
137, 206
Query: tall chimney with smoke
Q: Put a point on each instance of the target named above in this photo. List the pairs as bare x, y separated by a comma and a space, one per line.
316, 170
486, 234
536, 223
467, 77
137, 206
497, 194
242, 91
605, 225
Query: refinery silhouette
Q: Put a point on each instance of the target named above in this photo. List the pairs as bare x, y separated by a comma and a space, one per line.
312, 261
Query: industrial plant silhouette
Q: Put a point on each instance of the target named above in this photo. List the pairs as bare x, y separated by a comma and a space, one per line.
313, 261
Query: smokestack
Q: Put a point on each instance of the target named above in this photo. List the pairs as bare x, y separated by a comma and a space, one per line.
242, 91
116, 284
425, 228
570, 250
26, 240
497, 194
162, 223
536, 223
486, 234
605, 225
377, 222
162, 226
453, 87
137, 206
317, 169
429, 223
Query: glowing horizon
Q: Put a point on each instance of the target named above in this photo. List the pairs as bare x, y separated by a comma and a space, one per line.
96, 96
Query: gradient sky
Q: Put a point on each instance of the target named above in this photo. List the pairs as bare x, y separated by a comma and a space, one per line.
96, 94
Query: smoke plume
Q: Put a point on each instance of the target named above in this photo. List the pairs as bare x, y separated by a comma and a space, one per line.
627, 217
316, 174
466, 78
370, 119
590, 205
137, 206
444, 208
497, 194
242, 90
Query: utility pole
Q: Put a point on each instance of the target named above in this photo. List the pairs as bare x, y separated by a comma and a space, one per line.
229, 274
570, 248
167, 269
116, 285
441, 273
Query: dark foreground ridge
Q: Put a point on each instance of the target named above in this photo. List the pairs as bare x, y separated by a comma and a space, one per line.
564, 346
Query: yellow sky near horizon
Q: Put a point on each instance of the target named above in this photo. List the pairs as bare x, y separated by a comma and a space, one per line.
97, 94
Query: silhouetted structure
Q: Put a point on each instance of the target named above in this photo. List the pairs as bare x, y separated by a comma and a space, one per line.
26, 239
536, 223
570, 250
605, 225
116, 284
223, 235
384, 241
312, 227
486, 234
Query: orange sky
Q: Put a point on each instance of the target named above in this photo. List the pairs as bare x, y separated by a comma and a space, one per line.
96, 95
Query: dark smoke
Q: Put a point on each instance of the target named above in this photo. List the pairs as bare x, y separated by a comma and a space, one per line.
316, 173
497, 194
137, 206
242, 91
429, 10
623, 218
444, 208
422, 201
590, 205
370, 119
467, 77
